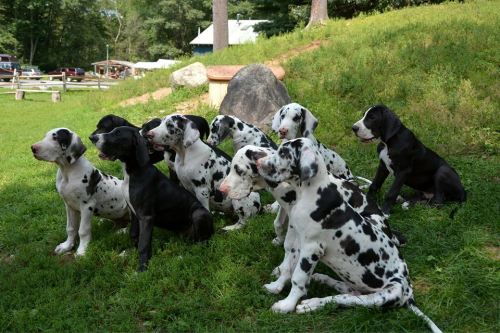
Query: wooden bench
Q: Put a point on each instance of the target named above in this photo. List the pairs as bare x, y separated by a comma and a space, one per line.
219, 77
56, 94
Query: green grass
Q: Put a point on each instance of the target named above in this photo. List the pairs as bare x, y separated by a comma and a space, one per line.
436, 66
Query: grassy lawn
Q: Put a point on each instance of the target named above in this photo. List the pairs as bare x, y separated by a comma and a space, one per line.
438, 67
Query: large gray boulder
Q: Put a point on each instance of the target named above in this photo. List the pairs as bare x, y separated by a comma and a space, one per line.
193, 75
254, 95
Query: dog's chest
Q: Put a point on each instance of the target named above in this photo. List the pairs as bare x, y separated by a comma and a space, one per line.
384, 156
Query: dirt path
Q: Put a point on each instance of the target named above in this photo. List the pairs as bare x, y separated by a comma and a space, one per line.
193, 103
143, 99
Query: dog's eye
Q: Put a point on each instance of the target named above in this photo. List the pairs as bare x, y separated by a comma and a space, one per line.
296, 118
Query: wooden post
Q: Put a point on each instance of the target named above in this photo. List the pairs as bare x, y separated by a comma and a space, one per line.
18, 80
56, 96
14, 78
19, 95
99, 82
64, 81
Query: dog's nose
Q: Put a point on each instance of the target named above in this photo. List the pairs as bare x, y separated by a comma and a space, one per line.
283, 131
93, 138
34, 149
224, 188
355, 128
150, 134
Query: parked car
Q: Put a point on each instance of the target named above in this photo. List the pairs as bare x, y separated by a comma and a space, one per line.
31, 71
72, 73
8, 64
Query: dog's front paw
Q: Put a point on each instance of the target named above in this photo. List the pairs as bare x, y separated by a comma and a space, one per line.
311, 304
63, 247
80, 251
232, 227
274, 287
283, 306
272, 208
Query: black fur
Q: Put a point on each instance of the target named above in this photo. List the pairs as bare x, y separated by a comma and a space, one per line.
412, 162
155, 199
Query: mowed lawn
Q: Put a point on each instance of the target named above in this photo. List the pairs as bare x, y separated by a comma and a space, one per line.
435, 66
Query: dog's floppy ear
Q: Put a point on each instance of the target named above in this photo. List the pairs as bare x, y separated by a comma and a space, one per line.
75, 150
275, 126
191, 134
308, 163
390, 124
255, 155
225, 125
309, 122
141, 149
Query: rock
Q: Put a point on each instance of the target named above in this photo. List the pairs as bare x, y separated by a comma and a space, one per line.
254, 95
193, 75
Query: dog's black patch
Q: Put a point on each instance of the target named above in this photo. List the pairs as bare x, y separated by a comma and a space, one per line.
218, 196
379, 271
329, 198
350, 246
356, 199
305, 265
240, 126
371, 280
95, 178
367, 257
198, 183
367, 229
289, 197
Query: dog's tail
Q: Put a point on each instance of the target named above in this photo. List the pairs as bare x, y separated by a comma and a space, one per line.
366, 181
203, 225
413, 307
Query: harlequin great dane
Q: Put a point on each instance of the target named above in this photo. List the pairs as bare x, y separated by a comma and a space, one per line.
240, 132
200, 168
244, 178
324, 227
295, 121
411, 162
154, 199
86, 191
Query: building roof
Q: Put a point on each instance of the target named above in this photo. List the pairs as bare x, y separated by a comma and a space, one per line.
240, 31
160, 63
112, 62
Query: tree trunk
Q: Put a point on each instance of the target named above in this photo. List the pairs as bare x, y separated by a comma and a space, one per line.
319, 12
221, 34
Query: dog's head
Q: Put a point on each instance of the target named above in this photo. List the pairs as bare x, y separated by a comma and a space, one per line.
378, 122
244, 177
123, 143
220, 128
59, 145
294, 121
174, 131
295, 161
108, 123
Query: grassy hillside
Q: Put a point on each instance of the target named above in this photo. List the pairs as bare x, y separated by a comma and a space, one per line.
437, 67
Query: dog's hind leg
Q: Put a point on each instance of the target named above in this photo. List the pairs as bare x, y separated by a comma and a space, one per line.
244, 208
390, 296
340, 286
72, 219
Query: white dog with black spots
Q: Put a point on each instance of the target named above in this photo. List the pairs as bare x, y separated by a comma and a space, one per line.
324, 227
201, 169
86, 191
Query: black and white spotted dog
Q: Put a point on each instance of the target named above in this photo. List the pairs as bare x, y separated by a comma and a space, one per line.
411, 162
240, 132
324, 227
200, 168
244, 178
295, 121
86, 191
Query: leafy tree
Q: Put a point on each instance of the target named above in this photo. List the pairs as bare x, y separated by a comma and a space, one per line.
7, 40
